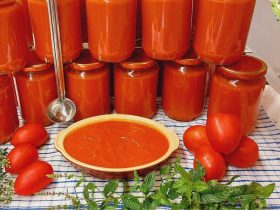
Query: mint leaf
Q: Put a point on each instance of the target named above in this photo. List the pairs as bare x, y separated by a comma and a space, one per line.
110, 187
81, 180
131, 202
148, 183
165, 170
232, 179
198, 173
200, 186
89, 187
92, 206
136, 182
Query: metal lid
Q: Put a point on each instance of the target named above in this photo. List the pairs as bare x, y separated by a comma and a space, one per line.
138, 61
86, 62
248, 67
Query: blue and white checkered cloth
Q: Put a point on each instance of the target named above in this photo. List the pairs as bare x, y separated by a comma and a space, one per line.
266, 171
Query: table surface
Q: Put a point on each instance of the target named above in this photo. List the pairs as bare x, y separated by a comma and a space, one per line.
266, 171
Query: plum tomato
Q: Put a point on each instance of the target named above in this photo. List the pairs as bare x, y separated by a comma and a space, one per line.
33, 133
20, 157
246, 154
195, 137
33, 178
212, 161
224, 132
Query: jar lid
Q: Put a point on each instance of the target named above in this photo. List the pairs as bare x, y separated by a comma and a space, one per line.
86, 62
8, 2
138, 61
34, 64
190, 59
248, 67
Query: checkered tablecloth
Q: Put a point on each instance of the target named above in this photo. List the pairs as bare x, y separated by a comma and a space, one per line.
266, 171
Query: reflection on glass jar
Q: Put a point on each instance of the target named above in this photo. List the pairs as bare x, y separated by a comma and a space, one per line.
69, 25
27, 21
237, 89
184, 86
8, 111
13, 42
221, 29
87, 84
36, 89
166, 28
111, 29
135, 85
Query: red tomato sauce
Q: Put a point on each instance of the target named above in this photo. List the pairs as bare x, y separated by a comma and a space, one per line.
87, 84
237, 89
36, 88
116, 144
70, 35
222, 28
27, 21
111, 29
8, 112
166, 28
13, 43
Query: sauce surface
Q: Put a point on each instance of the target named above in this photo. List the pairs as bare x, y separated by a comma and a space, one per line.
116, 144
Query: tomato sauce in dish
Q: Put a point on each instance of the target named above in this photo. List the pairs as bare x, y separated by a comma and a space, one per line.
116, 144
166, 26
111, 29
222, 28
237, 89
13, 42
69, 25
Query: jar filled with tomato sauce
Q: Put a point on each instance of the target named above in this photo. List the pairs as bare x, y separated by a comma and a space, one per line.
87, 84
166, 26
8, 111
111, 29
84, 21
183, 88
237, 89
135, 85
13, 42
36, 89
69, 16
222, 28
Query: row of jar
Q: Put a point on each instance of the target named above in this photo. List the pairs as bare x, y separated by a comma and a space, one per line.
220, 37
235, 89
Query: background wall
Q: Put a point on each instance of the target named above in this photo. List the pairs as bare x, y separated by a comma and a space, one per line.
264, 40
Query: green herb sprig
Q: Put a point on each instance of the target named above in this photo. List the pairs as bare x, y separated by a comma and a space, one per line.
276, 8
179, 189
6, 182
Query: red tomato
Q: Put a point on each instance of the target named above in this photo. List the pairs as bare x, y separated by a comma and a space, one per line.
33, 178
246, 154
194, 137
33, 133
212, 161
20, 157
224, 132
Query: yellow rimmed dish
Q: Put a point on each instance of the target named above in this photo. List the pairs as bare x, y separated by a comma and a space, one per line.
105, 172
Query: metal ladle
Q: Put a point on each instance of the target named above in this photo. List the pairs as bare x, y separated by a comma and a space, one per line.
61, 109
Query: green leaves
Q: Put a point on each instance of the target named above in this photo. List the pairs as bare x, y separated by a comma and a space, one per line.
110, 187
131, 202
148, 183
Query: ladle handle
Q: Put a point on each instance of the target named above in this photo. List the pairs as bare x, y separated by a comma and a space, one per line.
56, 47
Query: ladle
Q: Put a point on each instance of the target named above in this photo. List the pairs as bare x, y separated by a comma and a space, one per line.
61, 109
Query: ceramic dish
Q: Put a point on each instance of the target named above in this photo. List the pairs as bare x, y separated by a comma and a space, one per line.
105, 172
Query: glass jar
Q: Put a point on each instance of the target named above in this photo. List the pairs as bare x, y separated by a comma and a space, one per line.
184, 87
111, 29
13, 42
135, 82
221, 29
69, 25
27, 21
36, 89
8, 111
166, 28
237, 89
87, 84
